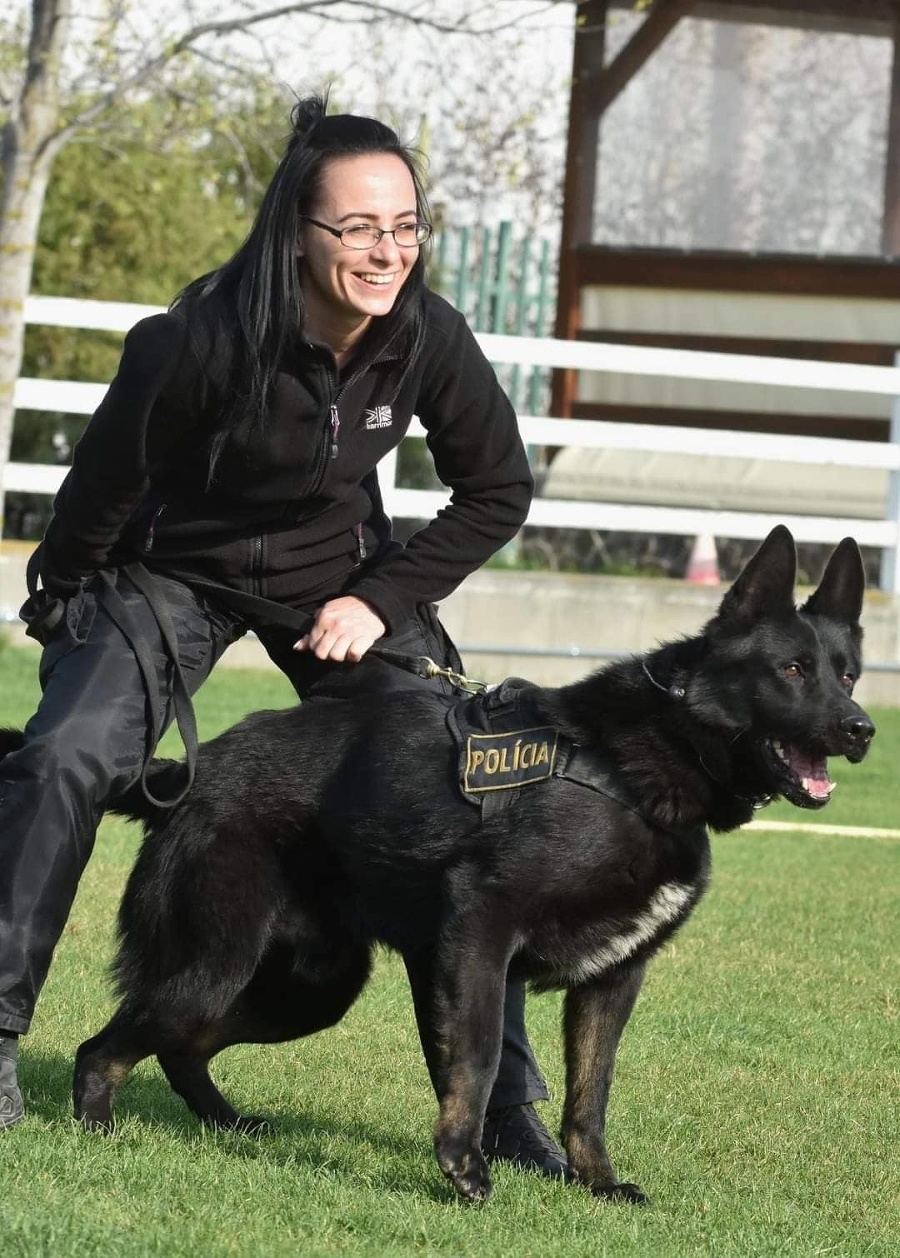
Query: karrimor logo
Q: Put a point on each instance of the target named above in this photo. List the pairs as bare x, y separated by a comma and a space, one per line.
379, 417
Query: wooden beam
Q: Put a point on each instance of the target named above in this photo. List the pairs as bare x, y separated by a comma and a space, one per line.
580, 179
890, 224
847, 426
594, 88
855, 17
867, 354
584, 122
811, 275
661, 18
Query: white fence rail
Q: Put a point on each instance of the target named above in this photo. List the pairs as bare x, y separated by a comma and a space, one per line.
80, 398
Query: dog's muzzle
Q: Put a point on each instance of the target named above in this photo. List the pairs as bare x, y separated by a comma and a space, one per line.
858, 732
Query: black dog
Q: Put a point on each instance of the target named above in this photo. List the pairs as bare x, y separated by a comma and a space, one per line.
560, 835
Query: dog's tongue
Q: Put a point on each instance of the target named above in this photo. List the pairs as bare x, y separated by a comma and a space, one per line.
812, 772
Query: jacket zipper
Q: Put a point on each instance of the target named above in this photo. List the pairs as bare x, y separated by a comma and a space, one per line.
330, 446
256, 552
360, 542
150, 536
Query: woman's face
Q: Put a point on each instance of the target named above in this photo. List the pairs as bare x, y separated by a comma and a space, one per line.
344, 289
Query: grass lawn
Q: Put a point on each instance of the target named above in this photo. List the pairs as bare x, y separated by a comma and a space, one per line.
755, 1101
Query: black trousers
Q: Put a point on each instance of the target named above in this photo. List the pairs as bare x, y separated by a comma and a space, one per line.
88, 740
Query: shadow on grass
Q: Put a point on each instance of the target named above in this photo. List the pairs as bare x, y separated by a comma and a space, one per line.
321, 1140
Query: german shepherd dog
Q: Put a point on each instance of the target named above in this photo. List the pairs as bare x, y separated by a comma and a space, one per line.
564, 849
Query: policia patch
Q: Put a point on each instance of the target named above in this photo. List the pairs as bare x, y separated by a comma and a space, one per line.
505, 745
501, 762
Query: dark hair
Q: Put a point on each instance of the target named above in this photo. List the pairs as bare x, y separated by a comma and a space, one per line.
255, 299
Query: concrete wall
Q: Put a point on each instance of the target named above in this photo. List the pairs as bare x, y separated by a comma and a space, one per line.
523, 613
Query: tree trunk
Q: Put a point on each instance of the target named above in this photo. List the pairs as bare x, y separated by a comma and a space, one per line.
31, 140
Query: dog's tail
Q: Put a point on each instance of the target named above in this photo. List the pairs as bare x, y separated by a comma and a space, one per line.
10, 740
164, 779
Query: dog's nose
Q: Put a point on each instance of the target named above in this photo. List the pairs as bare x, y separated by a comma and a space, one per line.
859, 728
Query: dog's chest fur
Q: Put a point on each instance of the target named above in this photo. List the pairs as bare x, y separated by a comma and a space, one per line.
579, 942
665, 910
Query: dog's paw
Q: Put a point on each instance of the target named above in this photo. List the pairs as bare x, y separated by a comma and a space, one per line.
253, 1125
242, 1124
629, 1193
466, 1168
471, 1179
92, 1104
103, 1125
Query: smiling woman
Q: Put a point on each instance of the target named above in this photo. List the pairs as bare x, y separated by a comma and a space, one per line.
353, 264
235, 454
360, 248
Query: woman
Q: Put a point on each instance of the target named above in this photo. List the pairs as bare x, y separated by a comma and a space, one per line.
237, 448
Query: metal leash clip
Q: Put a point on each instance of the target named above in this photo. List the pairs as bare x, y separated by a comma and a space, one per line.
459, 680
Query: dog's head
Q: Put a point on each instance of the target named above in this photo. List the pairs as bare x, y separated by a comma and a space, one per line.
776, 681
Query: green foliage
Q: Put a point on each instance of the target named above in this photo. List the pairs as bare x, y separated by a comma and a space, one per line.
134, 219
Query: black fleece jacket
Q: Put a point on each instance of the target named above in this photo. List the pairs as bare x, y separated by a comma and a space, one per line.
293, 513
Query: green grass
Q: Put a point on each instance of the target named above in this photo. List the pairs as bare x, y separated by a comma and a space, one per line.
755, 1099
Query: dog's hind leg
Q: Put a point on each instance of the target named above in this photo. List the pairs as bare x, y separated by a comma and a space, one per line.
286, 999
595, 1016
102, 1064
188, 1074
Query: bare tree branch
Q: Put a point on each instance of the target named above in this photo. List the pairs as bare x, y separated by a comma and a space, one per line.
349, 11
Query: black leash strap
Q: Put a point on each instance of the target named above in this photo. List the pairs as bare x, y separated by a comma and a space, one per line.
252, 606
45, 613
255, 607
181, 698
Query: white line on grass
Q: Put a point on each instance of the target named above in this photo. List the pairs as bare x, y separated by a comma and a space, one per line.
850, 832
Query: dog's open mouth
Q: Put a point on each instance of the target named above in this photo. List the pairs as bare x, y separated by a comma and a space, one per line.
802, 775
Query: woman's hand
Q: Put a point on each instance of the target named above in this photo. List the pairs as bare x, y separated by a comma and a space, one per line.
345, 628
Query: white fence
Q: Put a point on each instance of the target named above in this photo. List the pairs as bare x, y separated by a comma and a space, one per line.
80, 398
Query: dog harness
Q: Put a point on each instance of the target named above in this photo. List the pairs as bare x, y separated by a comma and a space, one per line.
505, 745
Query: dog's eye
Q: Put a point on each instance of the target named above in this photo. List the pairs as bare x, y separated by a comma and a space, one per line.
848, 680
793, 669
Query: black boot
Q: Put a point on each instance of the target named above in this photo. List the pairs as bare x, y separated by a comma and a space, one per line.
12, 1108
516, 1134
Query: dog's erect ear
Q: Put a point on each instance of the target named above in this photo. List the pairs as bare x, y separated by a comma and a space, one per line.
766, 585
840, 592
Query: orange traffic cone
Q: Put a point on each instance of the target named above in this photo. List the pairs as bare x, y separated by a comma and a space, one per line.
703, 565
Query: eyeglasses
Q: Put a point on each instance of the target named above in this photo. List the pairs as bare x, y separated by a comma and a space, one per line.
361, 236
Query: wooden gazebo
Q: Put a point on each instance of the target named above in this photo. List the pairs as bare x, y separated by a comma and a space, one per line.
644, 279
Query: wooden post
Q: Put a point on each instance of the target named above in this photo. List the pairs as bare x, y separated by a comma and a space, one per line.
581, 174
890, 230
593, 91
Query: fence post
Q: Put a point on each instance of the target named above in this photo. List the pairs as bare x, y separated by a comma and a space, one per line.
540, 327
890, 557
520, 324
462, 270
501, 293
485, 284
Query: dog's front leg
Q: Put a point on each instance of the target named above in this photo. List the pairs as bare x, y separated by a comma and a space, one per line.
459, 1010
595, 1016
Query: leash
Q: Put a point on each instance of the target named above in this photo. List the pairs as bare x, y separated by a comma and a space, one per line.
185, 718
257, 607
43, 615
